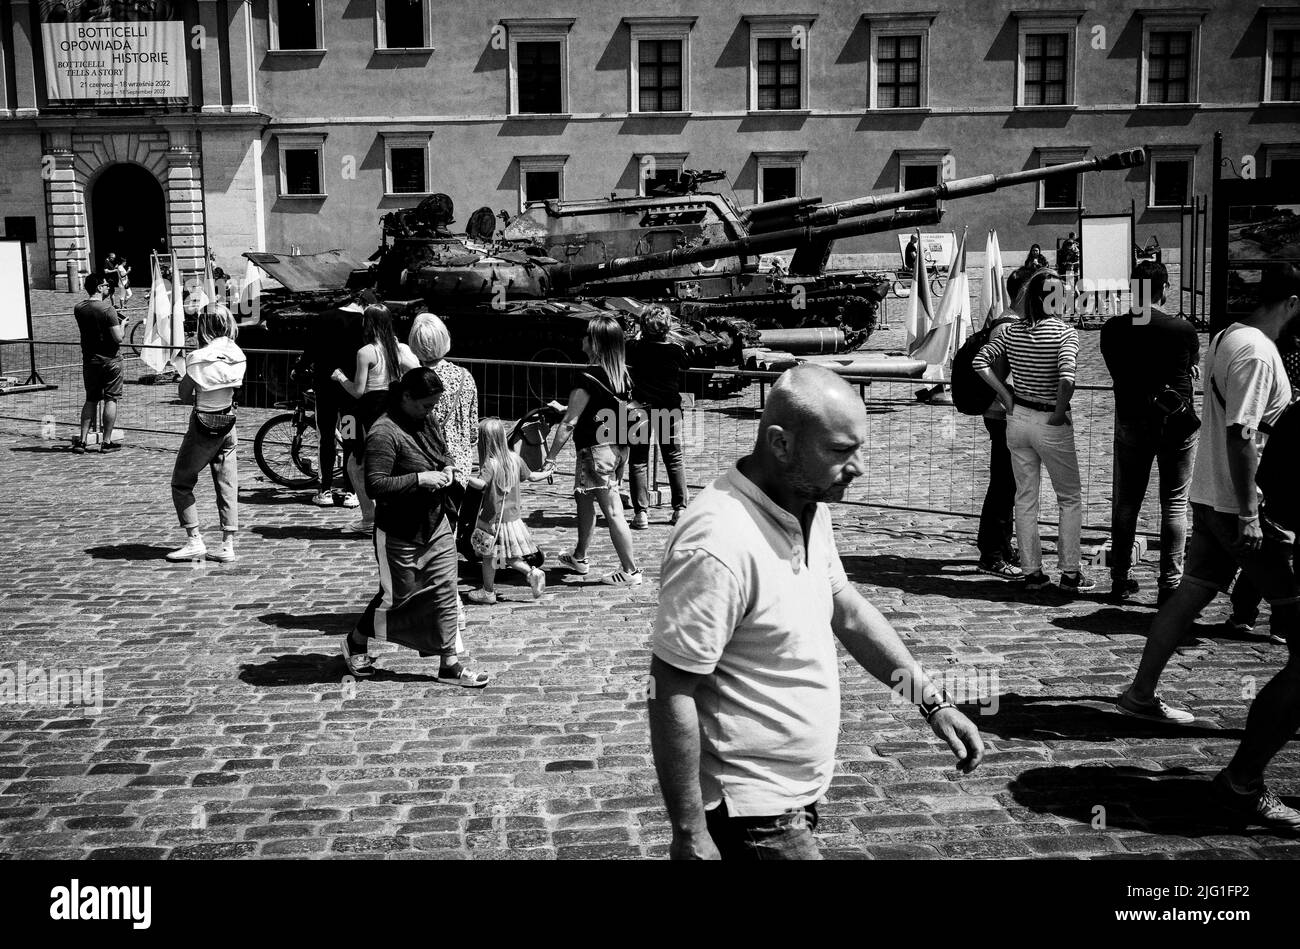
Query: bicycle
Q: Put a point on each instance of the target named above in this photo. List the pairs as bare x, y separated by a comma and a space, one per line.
287, 446
938, 279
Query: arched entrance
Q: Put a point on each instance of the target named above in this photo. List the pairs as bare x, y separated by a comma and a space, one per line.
128, 218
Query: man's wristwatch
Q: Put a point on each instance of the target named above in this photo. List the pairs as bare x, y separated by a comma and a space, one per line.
930, 708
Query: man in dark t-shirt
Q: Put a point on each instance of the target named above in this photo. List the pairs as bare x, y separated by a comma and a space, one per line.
101, 363
336, 336
657, 365
1151, 363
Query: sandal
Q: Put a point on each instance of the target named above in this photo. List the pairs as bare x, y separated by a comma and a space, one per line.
359, 663
459, 675
537, 581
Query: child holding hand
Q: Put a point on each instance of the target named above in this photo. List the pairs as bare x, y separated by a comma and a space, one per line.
500, 537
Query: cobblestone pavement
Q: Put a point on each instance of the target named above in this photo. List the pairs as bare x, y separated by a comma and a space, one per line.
227, 729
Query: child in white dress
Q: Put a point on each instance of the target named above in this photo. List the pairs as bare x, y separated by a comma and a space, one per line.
500, 537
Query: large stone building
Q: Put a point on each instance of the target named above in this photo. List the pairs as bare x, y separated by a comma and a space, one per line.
303, 121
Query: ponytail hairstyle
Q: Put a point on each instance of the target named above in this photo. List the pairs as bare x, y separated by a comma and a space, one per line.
216, 322
496, 461
377, 328
605, 339
418, 383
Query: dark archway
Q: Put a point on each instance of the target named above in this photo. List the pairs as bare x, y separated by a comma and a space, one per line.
128, 217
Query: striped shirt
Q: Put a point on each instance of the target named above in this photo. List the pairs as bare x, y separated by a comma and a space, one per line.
1040, 354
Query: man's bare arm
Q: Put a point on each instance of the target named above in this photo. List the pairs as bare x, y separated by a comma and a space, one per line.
675, 743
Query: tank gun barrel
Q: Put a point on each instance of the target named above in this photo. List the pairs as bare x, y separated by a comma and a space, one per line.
567, 275
965, 187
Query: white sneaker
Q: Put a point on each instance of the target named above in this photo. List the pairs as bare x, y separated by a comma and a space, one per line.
194, 549
346, 499
223, 554
323, 499
580, 567
361, 526
623, 578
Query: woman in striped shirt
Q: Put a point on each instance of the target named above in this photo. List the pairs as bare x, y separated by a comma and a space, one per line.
1041, 351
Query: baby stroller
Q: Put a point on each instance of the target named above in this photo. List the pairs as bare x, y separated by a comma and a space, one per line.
528, 437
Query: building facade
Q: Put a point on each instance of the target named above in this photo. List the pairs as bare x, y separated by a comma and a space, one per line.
304, 121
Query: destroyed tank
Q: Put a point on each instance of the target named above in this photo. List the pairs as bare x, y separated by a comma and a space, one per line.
525, 292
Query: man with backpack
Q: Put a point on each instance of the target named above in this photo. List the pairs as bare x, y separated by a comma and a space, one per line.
1247, 391
1151, 360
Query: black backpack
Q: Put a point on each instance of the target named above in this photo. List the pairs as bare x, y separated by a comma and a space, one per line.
1275, 475
971, 394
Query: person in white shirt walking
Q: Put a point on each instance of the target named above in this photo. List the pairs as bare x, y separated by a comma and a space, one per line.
744, 702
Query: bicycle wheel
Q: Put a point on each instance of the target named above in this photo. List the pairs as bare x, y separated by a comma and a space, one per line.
306, 450
938, 283
901, 290
276, 448
137, 338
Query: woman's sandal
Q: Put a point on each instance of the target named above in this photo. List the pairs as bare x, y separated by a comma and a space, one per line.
459, 675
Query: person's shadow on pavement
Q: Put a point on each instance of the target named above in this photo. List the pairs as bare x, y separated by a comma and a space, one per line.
1169, 801
1049, 717
318, 669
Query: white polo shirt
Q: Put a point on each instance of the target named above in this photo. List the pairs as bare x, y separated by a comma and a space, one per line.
742, 601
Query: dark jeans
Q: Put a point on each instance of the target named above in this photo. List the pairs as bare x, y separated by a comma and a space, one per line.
997, 517
330, 404
669, 437
1137, 445
787, 836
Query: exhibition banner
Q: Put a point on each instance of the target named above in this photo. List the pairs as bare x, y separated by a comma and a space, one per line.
116, 60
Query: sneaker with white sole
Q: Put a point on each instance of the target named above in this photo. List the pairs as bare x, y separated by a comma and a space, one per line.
482, 597
580, 567
1259, 806
640, 521
323, 499
537, 581
361, 526
194, 549
223, 554
623, 578
346, 499
1154, 711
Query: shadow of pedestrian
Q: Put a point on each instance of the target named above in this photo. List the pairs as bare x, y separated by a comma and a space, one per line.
305, 532
927, 576
1048, 717
317, 669
1116, 620
271, 496
45, 449
326, 624
1172, 801
129, 552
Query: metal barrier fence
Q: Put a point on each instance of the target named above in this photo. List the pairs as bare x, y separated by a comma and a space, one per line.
922, 457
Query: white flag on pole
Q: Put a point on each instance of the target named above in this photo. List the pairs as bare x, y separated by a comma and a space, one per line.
157, 326
177, 341
951, 320
993, 290
918, 316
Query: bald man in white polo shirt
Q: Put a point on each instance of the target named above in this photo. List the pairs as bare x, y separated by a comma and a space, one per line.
745, 701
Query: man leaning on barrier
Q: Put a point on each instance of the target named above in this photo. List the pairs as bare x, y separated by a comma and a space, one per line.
744, 701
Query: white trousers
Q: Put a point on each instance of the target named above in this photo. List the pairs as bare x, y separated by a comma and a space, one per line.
1035, 445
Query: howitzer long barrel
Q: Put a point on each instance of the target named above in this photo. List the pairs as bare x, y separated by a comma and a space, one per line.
965, 187
570, 274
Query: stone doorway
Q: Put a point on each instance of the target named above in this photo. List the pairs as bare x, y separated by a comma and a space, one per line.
127, 218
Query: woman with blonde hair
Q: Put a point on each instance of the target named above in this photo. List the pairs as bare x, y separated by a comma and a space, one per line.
213, 373
457, 410
381, 361
597, 419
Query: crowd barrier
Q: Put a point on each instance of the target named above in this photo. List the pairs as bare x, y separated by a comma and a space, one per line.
923, 457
